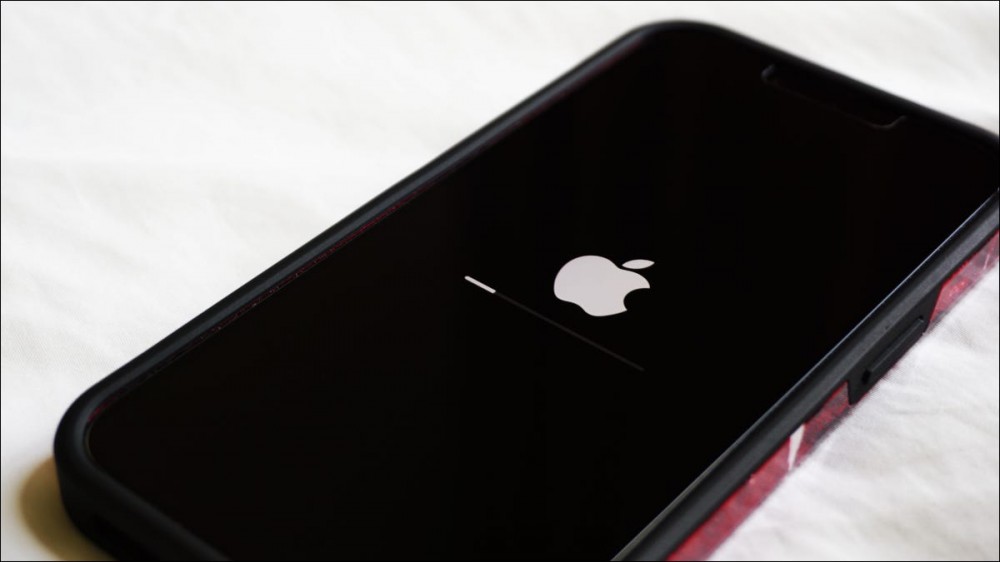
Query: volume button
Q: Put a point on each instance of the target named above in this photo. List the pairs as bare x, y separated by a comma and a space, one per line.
894, 351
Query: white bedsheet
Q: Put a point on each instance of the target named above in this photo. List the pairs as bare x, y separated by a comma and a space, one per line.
155, 157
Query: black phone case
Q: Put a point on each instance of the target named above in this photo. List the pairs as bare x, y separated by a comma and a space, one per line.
127, 526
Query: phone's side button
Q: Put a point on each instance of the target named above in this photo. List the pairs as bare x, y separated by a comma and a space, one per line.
888, 357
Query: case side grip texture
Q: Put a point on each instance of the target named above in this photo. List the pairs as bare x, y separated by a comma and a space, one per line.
965, 277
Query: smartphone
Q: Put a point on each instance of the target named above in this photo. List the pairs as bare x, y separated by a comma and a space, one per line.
589, 330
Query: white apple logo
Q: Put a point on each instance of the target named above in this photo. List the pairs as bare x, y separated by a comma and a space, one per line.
597, 285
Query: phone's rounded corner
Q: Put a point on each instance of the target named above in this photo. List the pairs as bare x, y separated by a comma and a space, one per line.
80, 479
76, 471
105, 509
658, 27
70, 450
69, 446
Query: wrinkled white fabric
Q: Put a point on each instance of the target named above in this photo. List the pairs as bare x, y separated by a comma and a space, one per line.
155, 157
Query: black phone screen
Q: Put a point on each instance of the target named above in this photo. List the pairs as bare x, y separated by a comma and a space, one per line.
429, 390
